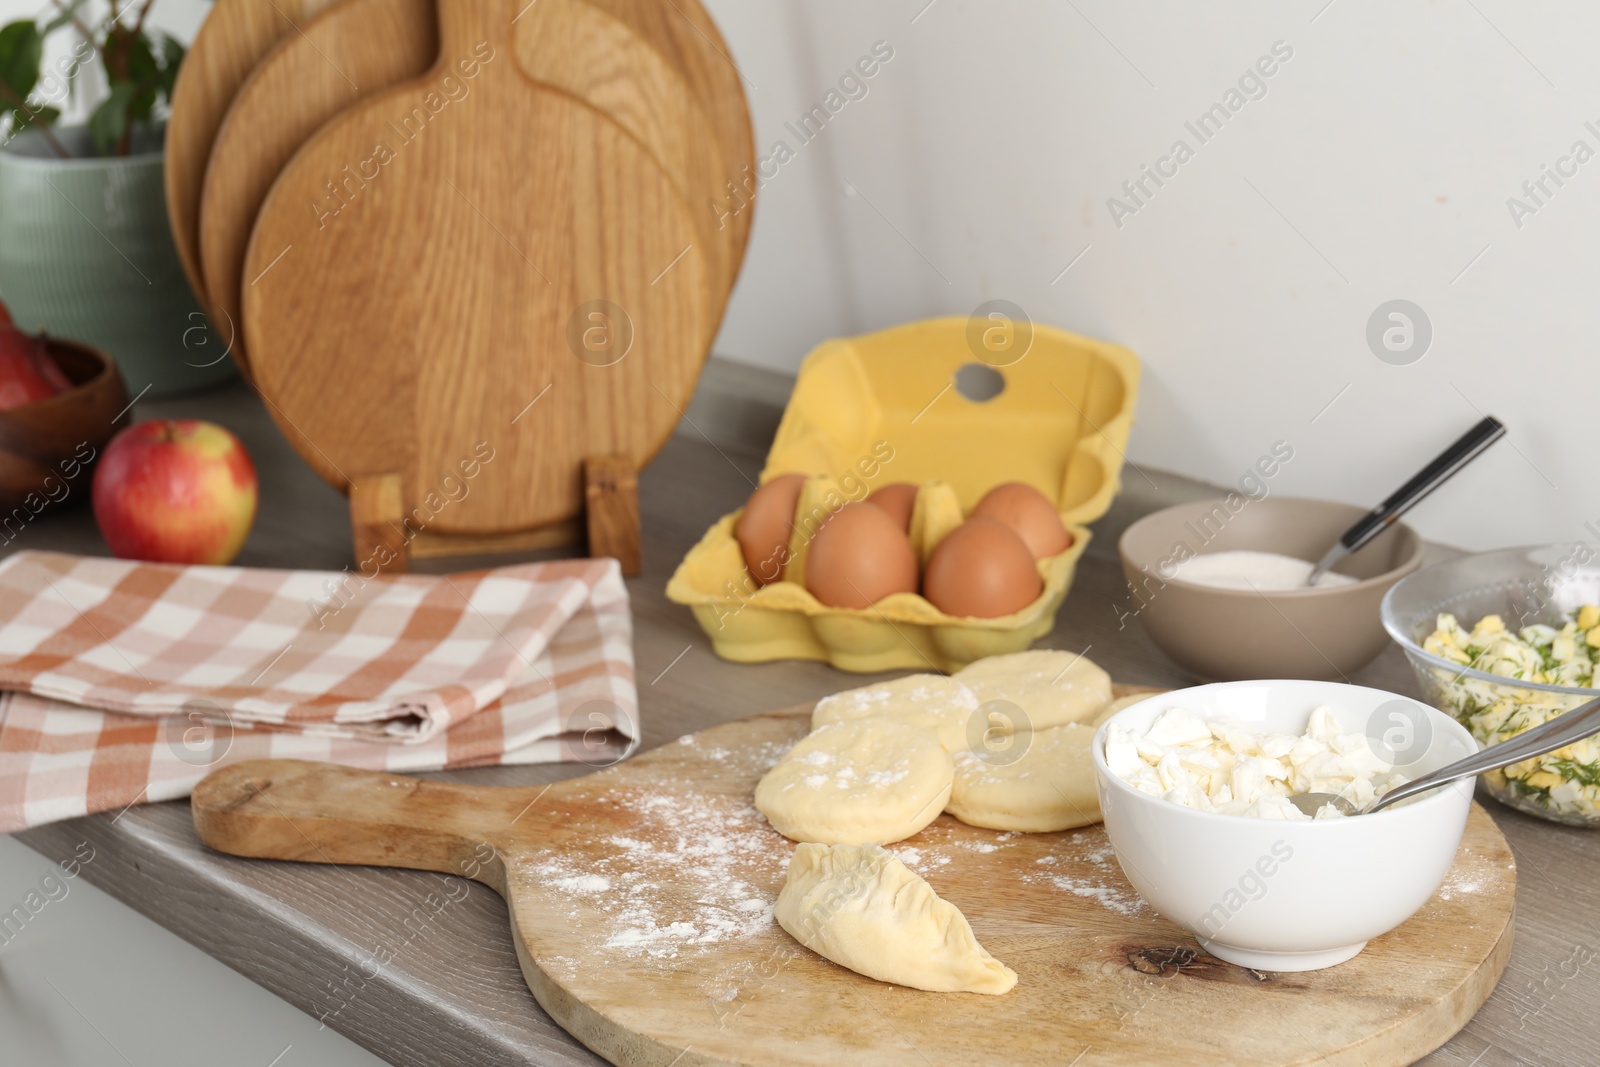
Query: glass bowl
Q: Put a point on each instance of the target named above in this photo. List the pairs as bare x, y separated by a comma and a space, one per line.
1524, 586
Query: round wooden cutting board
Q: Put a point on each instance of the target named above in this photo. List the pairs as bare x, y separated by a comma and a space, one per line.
640, 904
361, 47
234, 37
687, 36
475, 265
577, 47
344, 54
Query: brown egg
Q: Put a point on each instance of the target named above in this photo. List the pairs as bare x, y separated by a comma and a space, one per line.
858, 557
982, 569
1030, 513
763, 529
897, 499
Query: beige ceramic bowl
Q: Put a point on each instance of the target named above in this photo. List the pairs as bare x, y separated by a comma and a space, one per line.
1327, 633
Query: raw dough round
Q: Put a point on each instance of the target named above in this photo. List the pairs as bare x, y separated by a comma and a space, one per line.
1052, 688
871, 781
1117, 705
860, 907
1050, 786
931, 701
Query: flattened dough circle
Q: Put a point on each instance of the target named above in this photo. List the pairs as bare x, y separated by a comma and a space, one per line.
1117, 705
1049, 787
931, 701
871, 781
1053, 688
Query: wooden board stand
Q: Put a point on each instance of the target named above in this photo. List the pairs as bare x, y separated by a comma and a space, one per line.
386, 535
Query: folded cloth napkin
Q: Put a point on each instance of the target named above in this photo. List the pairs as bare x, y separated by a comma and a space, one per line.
127, 682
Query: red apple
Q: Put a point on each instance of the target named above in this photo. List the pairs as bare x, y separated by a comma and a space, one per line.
175, 491
27, 373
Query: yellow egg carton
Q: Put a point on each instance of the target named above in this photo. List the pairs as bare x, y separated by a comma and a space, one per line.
894, 406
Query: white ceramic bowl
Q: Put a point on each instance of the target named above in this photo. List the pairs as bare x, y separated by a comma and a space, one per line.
1292, 896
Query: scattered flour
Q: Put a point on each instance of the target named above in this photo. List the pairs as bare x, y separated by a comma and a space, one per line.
941, 842
845, 776
1106, 886
583, 883
693, 869
1463, 878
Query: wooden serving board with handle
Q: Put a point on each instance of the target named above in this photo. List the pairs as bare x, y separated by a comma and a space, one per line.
345, 53
683, 32
639, 900
360, 47
473, 264
576, 46
234, 37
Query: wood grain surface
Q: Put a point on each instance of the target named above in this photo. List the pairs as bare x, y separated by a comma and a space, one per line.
344, 54
637, 899
475, 265
449, 992
575, 46
234, 37
611, 511
361, 47
686, 35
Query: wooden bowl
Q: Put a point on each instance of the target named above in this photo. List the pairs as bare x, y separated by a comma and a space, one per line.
48, 449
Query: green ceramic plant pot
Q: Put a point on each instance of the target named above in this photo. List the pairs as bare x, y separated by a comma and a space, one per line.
86, 254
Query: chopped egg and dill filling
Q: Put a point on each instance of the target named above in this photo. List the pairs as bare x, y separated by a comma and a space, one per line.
1237, 768
1565, 783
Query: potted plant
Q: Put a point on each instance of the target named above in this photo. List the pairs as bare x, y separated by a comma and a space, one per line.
85, 249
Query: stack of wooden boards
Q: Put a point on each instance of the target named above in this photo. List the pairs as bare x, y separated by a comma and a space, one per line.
471, 253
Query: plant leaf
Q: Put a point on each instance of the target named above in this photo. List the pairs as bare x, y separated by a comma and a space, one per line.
21, 47
21, 120
145, 74
172, 53
129, 60
109, 121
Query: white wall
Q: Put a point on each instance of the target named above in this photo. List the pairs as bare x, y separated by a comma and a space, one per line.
1377, 166
1390, 141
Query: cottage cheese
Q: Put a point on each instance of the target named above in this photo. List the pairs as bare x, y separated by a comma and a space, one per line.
1237, 768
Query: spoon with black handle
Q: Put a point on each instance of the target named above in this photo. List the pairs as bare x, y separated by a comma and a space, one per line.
1559, 732
1466, 449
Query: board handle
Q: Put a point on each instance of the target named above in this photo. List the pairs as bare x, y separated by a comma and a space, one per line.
325, 813
472, 26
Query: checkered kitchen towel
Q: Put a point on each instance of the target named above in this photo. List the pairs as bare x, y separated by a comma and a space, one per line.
129, 682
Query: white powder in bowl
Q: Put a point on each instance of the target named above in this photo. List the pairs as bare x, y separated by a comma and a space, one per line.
1266, 571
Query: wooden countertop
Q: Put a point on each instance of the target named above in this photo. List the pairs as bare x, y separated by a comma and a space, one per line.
451, 992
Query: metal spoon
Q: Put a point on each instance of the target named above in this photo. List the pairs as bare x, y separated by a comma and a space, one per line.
1566, 728
1466, 449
